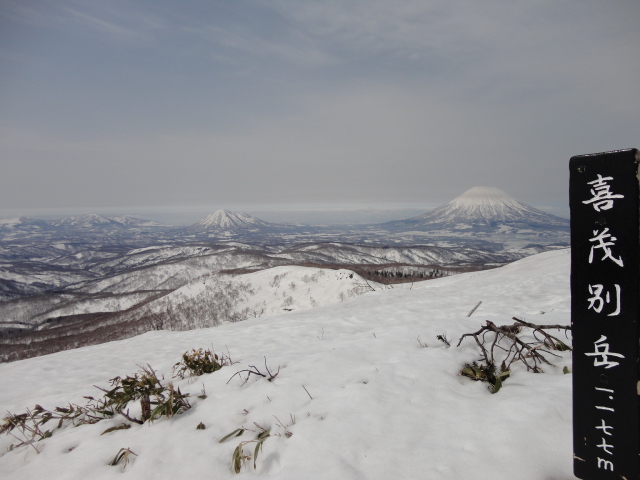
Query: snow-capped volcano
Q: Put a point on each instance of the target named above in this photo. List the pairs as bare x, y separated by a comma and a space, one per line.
226, 221
487, 214
488, 206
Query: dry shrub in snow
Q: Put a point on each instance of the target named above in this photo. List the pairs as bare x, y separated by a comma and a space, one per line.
501, 345
156, 399
198, 362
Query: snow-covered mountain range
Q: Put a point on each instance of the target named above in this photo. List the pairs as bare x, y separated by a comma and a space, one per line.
71, 276
90, 221
480, 215
93, 220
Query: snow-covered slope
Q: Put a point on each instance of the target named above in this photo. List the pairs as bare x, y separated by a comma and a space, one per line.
165, 275
176, 296
215, 299
378, 406
488, 206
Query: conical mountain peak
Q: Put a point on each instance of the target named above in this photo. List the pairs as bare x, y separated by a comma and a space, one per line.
225, 220
488, 206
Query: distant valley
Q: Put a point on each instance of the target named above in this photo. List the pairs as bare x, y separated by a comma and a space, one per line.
90, 279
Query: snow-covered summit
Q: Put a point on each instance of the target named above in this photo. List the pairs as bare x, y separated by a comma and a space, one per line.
224, 220
489, 206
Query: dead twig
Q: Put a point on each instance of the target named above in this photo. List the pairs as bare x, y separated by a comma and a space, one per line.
254, 370
305, 389
549, 340
287, 433
474, 308
505, 338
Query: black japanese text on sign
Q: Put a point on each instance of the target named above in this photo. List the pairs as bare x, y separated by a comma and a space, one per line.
605, 292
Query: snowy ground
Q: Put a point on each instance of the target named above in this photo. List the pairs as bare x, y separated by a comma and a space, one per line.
382, 406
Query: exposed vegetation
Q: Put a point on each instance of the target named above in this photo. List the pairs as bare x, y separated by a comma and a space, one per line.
443, 338
253, 370
198, 362
500, 347
122, 456
240, 458
485, 373
156, 399
29, 427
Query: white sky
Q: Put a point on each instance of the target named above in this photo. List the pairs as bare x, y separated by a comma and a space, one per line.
160, 104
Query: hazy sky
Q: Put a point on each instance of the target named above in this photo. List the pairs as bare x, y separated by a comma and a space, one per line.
156, 103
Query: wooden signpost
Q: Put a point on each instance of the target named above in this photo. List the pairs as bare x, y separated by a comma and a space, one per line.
605, 305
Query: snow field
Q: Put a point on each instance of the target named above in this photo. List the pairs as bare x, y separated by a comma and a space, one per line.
383, 407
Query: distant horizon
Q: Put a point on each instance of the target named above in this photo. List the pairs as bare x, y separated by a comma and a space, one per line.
273, 105
295, 213
311, 214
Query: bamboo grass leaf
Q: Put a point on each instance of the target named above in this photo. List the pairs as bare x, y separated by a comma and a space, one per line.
237, 459
255, 453
235, 433
123, 426
497, 386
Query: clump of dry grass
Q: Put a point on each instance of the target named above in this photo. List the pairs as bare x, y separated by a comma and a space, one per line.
29, 427
157, 399
198, 362
239, 457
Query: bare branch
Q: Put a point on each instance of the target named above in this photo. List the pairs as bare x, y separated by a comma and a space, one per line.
532, 355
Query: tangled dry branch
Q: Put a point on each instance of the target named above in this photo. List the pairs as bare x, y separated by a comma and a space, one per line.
493, 339
254, 370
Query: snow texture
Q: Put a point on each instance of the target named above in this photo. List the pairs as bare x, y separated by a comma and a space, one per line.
379, 406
